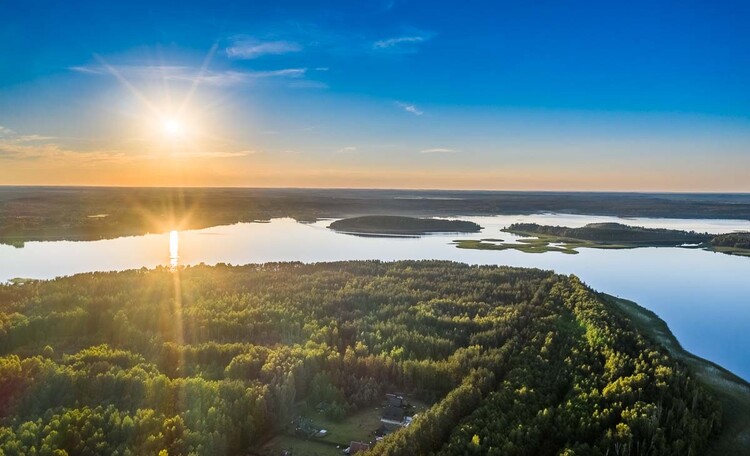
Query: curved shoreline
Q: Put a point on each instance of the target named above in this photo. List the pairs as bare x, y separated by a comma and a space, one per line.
732, 391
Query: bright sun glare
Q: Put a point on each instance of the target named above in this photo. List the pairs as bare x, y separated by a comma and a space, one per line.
173, 128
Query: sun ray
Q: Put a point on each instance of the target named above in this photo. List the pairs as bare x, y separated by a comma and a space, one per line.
174, 248
198, 79
128, 85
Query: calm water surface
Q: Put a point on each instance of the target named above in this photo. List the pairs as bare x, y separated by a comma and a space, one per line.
703, 296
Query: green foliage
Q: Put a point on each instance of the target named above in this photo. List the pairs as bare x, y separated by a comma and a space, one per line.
214, 360
393, 224
614, 233
735, 240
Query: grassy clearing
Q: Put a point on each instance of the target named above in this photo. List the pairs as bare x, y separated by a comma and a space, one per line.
732, 391
730, 250
359, 426
523, 245
574, 243
298, 447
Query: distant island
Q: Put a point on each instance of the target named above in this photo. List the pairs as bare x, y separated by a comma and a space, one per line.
400, 225
546, 238
613, 234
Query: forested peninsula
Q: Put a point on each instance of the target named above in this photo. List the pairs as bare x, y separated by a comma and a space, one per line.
246, 360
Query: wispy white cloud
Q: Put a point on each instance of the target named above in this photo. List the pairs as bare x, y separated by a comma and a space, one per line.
410, 108
189, 74
292, 36
437, 150
218, 154
391, 42
14, 146
56, 152
347, 149
403, 44
248, 48
8, 136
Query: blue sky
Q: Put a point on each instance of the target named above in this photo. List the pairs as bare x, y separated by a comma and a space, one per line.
496, 95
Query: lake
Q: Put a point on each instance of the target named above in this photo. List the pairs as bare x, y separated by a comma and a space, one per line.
703, 296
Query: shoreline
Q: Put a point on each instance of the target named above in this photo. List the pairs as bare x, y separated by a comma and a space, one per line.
730, 390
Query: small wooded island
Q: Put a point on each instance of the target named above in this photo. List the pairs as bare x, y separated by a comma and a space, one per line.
393, 225
546, 238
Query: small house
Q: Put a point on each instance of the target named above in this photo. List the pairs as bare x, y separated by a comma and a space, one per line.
393, 417
356, 447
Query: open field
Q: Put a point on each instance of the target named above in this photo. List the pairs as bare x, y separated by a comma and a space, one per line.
359, 426
730, 250
523, 245
298, 446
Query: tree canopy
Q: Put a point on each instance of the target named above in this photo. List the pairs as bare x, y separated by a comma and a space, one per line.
214, 360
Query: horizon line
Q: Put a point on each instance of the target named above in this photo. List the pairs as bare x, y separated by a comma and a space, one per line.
400, 189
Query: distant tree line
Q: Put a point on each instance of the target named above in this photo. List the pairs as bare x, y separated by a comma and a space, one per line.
740, 240
614, 233
393, 224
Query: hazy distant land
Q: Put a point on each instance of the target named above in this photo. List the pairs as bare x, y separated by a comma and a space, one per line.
88, 213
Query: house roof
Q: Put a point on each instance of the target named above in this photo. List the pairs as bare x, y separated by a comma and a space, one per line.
358, 446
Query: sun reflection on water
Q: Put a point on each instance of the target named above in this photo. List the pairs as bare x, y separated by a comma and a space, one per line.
174, 248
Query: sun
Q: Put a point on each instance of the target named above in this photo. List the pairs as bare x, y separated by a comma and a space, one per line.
173, 128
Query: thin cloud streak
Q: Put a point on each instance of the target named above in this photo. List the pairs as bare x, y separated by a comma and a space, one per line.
391, 42
249, 49
8, 136
408, 43
56, 152
181, 73
410, 108
17, 147
437, 150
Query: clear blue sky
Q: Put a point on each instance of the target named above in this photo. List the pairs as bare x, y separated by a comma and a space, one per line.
517, 94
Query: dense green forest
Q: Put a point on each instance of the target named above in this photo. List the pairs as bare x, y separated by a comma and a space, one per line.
738, 240
394, 224
614, 233
216, 360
